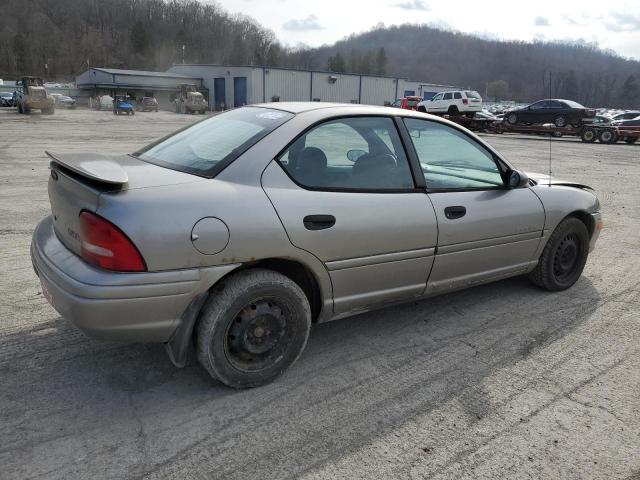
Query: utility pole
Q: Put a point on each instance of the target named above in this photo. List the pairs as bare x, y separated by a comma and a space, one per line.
183, 47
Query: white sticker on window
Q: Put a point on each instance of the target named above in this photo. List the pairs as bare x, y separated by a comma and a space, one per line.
271, 115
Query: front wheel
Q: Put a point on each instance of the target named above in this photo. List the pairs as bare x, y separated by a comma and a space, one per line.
560, 121
253, 328
512, 119
564, 256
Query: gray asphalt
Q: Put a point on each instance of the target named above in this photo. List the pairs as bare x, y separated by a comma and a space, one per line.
499, 381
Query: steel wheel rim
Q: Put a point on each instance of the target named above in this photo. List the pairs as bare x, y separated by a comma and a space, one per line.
588, 135
561, 122
259, 335
606, 136
566, 257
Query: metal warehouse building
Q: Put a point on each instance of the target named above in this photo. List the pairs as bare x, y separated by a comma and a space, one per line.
234, 86
139, 83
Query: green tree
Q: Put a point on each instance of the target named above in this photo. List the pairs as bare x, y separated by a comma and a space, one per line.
337, 64
367, 63
20, 52
630, 90
381, 61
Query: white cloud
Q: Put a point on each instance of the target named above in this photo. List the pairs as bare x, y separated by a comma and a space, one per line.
413, 5
303, 24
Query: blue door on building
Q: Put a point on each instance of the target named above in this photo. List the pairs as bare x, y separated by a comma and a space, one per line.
239, 91
219, 93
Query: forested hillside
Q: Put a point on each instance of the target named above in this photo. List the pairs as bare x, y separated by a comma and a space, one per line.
517, 70
69, 35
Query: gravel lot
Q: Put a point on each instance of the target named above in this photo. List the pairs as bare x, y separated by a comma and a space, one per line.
500, 381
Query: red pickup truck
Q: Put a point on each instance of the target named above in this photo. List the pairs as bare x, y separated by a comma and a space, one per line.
407, 103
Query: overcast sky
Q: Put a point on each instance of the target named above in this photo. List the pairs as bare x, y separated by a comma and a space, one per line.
613, 25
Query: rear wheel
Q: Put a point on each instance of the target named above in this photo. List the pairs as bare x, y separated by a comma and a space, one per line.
564, 256
253, 329
607, 136
588, 135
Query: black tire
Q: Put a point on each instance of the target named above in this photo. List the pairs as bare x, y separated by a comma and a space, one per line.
589, 135
422, 109
630, 140
453, 110
512, 119
557, 134
560, 121
256, 315
20, 108
607, 136
564, 256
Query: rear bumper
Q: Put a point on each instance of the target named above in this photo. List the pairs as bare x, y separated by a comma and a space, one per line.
141, 307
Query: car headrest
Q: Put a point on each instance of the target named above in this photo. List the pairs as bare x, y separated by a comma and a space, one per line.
368, 164
311, 159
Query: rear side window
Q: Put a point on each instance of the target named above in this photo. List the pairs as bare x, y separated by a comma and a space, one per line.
457, 95
207, 147
357, 153
472, 94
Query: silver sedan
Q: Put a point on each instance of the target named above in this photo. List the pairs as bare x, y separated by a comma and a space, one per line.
236, 234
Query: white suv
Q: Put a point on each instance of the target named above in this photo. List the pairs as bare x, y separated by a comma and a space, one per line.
453, 103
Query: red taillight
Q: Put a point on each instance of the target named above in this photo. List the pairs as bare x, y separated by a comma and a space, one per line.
104, 245
465, 101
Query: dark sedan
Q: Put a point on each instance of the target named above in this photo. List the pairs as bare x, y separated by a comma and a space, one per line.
556, 111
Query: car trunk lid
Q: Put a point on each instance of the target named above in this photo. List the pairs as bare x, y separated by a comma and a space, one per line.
78, 180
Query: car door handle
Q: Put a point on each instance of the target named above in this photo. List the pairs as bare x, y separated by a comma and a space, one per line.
455, 212
319, 222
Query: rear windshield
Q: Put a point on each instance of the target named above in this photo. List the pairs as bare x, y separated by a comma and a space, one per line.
572, 104
472, 94
207, 147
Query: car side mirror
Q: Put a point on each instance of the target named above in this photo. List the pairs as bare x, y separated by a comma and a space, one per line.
355, 154
518, 179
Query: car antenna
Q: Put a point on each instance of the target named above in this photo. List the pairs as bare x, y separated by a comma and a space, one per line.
550, 135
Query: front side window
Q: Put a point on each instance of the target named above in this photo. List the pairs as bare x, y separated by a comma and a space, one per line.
437, 97
359, 153
451, 160
206, 147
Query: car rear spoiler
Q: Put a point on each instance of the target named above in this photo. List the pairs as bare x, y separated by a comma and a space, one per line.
92, 166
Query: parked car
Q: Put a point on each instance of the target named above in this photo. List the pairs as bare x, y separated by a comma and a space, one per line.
557, 111
602, 120
407, 103
147, 104
632, 124
242, 230
51, 85
124, 106
453, 103
6, 99
628, 115
63, 101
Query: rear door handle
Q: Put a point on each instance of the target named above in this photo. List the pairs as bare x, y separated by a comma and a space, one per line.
455, 212
319, 222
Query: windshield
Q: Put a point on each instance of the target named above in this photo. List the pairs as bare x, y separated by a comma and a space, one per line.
207, 147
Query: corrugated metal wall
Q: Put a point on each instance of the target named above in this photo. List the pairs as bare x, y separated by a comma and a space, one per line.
288, 85
377, 91
303, 85
344, 89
